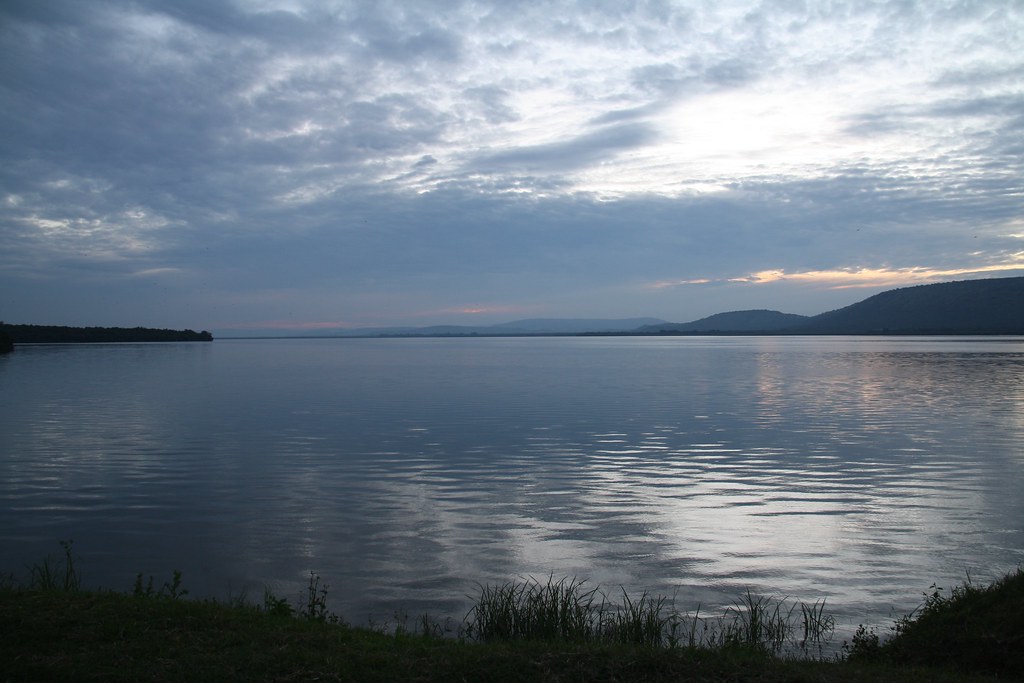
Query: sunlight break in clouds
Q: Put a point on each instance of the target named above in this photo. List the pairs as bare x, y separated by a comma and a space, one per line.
867, 277
860, 277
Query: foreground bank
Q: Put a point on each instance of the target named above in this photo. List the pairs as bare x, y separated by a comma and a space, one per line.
112, 637
62, 633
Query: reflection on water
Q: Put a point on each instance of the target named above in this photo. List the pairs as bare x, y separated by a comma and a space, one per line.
404, 471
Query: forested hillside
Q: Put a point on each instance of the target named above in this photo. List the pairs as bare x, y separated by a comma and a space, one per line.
993, 306
58, 334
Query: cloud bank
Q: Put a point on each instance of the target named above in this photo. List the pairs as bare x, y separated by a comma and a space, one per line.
216, 164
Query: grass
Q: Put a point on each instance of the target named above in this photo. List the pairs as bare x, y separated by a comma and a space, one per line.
973, 628
523, 630
562, 610
103, 636
568, 611
56, 574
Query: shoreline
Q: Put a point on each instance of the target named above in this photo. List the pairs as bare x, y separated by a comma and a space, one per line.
522, 630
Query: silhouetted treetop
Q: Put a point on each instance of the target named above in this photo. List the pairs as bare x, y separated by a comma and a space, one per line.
57, 334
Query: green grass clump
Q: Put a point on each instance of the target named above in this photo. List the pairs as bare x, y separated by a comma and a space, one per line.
566, 610
974, 628
529, 610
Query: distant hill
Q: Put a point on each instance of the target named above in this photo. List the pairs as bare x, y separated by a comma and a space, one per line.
992, 306
537, 326
531, 326
760, 320
59, 334
574, 325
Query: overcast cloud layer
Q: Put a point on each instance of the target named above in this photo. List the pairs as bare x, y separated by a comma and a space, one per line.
252, 164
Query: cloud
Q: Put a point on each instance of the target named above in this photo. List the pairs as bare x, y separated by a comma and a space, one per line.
860, 277
489, 310
877, 277
291, 325
565, 155
328, 161
494, 103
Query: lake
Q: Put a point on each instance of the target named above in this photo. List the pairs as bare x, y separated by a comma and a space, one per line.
405, 472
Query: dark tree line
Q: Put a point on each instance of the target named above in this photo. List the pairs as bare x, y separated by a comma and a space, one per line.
58, 334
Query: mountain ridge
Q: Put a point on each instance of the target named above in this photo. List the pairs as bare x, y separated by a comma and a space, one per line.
756, 320
988, 306
982, 306
525, 327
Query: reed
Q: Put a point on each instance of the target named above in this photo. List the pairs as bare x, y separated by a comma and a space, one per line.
530, 610
648, 620
568, 610
818, 627
759, 621
56, 574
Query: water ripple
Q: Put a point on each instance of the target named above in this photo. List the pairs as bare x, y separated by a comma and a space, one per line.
405, 470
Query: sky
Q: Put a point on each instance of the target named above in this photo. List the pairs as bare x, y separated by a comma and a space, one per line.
313, 165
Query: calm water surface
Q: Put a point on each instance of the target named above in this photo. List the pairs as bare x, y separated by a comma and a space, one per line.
404, 471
